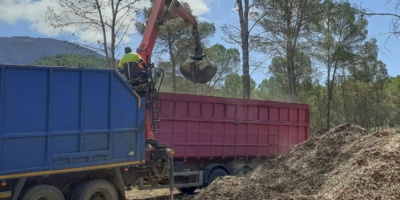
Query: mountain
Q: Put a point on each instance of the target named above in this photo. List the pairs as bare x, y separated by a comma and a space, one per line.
23, 50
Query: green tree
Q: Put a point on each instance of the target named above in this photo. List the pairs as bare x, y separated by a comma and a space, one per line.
227, 61
341, 32
246, 35
72, 60
393, 91
368, 68
243, 12
302, 74
271, 89
233, 86
286, 24
364, 89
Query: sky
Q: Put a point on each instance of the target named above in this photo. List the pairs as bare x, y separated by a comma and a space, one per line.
26, 18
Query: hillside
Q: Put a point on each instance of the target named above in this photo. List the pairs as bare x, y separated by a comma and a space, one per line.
23, 50
72, 60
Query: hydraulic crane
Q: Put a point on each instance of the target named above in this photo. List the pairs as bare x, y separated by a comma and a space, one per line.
197, 68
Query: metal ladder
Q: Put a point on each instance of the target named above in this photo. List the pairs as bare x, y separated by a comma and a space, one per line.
154, 112
152, 99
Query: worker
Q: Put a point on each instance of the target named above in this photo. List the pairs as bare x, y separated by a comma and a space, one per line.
134, 58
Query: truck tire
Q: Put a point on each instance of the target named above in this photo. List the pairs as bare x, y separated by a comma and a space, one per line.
215, 173
96, 189
187, 190
42, 192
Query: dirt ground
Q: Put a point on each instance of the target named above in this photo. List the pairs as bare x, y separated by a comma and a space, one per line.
160, 194
345, 163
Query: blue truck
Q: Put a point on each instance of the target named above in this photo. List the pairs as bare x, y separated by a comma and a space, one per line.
75, 134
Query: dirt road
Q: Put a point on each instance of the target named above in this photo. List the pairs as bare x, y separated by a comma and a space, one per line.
161, 194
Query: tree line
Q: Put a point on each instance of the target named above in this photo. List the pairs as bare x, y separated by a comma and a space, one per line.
319, 50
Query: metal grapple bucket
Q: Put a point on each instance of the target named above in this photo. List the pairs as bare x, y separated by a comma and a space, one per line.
198, 70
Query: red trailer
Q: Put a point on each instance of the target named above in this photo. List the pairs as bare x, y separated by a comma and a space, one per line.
215, 136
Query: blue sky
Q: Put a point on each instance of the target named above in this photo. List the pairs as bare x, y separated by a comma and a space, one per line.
31, 23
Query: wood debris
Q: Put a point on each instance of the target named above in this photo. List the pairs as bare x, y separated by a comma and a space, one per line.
345, 162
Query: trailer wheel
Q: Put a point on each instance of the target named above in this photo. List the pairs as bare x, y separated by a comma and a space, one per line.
187, 190
42, 192
215, 173
96, 190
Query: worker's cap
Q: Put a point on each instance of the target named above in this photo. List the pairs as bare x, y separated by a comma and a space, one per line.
128, 50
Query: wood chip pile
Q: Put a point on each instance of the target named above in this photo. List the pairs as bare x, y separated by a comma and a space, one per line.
345, 162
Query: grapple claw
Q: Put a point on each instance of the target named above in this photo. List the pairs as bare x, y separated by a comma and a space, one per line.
198, 69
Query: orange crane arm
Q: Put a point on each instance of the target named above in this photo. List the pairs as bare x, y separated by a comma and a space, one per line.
155, 21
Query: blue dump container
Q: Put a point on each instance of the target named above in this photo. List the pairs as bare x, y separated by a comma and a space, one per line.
55, 119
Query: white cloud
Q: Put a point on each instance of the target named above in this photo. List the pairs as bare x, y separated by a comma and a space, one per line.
203, 19
199, 7
34, 12
27, 10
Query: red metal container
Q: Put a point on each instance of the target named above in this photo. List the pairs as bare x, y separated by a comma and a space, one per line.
213, 127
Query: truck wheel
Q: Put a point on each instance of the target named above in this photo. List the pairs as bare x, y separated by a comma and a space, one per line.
187, 190
215, 173
42, 192
96, 190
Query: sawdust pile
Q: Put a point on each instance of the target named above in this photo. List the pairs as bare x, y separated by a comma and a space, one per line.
343, 163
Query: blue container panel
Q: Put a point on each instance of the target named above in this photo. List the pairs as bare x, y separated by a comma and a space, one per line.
23, 152
25, 100
58, 118
96, 100
121, 118
73, 142
66, 118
